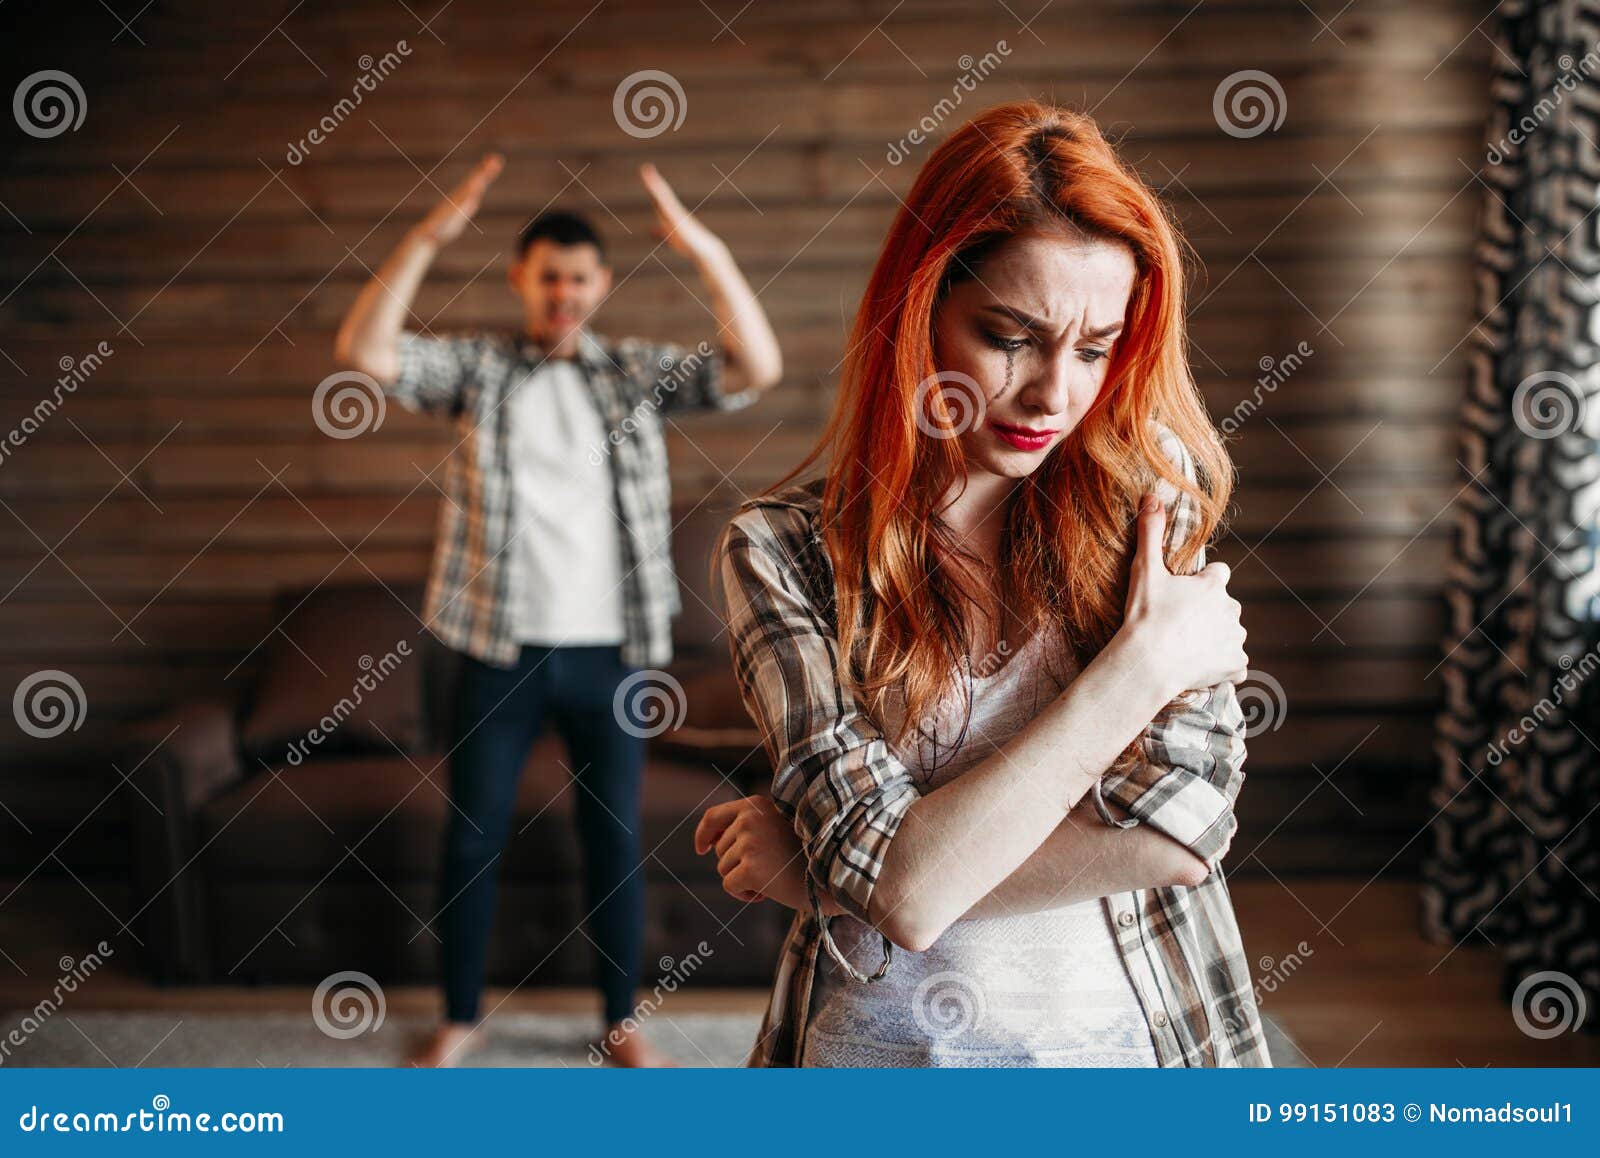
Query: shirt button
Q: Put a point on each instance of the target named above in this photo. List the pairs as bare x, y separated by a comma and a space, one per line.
1160, 1018
1124, 919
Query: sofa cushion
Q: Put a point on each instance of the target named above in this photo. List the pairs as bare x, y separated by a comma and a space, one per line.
340, 674
716, 728
297, 823
698, 628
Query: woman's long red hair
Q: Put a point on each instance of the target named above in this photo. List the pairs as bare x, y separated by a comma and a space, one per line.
1070, 535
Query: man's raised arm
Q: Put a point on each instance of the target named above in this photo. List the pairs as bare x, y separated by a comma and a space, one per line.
369, 337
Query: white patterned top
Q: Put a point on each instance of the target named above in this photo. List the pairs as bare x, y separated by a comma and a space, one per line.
1030, 990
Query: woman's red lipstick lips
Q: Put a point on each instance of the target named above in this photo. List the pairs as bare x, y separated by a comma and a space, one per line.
1022, 437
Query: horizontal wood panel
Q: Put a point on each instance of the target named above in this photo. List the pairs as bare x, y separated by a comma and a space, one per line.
72, 623
813, 39
1381, 344
1393, 164
810, 235
1325, 291
1327, 569
264, 121
407, 511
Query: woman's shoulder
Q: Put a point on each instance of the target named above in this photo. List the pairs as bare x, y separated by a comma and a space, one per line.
788, 518
785, 525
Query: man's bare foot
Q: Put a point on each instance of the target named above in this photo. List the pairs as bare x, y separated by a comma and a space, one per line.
450, 1043
631, 1049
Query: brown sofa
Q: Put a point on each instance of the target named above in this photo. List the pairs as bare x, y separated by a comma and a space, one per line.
260, 858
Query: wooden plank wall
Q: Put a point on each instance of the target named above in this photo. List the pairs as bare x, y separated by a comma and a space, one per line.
151, 520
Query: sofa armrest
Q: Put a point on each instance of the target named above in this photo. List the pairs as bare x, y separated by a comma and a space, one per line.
173, 764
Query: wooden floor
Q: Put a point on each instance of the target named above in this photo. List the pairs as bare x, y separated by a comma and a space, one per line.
1339, 962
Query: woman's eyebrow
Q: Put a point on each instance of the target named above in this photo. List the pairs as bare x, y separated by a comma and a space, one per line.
1027, 321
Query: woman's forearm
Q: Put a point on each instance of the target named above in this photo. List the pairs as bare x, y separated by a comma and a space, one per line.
962, 841
1085, 858
1082, 860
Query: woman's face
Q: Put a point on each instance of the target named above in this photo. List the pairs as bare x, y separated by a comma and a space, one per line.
1034, 330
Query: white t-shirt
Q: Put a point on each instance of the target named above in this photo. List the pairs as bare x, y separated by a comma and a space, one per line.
567, 536
1026, 990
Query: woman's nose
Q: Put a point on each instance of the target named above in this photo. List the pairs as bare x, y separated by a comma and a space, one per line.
1050, 390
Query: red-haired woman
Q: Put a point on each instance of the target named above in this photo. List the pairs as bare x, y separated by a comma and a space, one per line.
996, 686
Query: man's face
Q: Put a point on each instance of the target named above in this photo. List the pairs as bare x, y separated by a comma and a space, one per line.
560, 287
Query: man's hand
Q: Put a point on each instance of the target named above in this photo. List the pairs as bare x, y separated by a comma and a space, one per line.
674, 224
446, 220
758, 853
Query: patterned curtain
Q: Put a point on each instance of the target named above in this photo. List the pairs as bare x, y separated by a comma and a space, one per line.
1515, 856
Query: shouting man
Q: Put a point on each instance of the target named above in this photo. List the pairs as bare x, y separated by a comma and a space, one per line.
552, 572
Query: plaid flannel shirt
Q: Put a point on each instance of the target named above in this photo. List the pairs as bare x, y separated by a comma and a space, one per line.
473, 585
846, 793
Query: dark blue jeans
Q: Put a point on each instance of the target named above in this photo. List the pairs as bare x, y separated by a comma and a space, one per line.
499, 713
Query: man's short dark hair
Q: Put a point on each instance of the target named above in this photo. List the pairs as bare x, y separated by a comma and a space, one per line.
562, 228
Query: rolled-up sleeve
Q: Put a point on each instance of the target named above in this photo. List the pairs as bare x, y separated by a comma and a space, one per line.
680, 379
1195, 753
432, 371
834, 773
